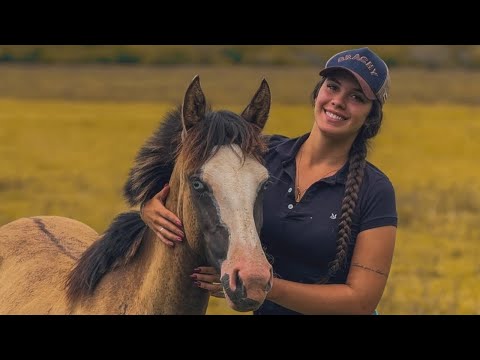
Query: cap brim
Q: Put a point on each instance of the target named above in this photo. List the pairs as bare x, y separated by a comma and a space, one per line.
363, 84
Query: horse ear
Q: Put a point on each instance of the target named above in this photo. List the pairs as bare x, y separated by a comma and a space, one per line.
257, 111
193, 108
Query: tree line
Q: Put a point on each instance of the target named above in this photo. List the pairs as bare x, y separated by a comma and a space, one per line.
426, 56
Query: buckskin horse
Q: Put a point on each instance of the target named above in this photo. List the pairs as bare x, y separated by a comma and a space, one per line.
57, 265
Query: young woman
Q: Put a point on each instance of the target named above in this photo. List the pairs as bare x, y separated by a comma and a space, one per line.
329, 215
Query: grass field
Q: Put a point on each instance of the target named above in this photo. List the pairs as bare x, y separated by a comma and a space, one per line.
70, 156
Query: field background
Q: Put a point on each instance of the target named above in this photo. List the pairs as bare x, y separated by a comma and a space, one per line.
69, 133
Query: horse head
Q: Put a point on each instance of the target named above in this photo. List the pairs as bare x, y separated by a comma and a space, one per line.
221, 180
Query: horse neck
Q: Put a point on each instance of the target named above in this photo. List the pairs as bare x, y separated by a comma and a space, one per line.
168, 287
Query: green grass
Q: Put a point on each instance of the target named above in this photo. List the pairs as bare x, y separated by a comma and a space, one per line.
71, 158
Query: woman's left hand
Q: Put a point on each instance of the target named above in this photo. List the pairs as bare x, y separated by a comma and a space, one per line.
206, 277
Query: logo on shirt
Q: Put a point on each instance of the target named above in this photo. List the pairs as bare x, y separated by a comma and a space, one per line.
333, 216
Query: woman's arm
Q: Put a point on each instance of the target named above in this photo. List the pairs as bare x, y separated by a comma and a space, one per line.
367, 278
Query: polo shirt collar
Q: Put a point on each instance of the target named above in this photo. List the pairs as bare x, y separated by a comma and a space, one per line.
289, 148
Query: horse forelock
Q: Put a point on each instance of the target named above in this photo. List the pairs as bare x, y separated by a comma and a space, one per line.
219, 128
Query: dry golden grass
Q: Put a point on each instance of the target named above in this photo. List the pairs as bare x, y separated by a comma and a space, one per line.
228, 85
67, 158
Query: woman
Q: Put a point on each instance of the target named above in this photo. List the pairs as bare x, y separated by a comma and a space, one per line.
329, 216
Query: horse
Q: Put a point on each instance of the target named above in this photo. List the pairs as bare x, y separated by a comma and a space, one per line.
57, 265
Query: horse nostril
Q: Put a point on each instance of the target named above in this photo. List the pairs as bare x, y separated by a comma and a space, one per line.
239, 292
238, 281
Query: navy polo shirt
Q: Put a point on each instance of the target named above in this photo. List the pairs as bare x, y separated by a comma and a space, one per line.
300, 239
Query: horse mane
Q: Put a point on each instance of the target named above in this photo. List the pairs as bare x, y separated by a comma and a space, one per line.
151, 170
113, 249
154, 162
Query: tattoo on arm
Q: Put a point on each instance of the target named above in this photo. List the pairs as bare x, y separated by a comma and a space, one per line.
369, 269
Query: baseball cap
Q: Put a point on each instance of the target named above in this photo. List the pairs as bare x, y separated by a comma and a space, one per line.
368, 68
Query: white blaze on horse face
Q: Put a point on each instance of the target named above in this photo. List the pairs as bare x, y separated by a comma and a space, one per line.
235, 186
235, 183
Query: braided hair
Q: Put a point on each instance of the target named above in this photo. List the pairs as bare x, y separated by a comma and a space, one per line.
357, 163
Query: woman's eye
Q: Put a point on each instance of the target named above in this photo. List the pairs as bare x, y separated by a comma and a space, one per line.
358, 98
198, 185
332, 87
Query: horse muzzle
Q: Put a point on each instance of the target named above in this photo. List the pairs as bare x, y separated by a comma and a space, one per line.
247, 294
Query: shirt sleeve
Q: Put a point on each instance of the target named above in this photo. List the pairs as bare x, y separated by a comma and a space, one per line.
379, 207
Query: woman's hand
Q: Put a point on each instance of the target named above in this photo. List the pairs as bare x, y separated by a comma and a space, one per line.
166, 225
207, 278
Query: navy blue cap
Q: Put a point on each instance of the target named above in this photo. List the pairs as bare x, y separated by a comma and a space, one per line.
368, 68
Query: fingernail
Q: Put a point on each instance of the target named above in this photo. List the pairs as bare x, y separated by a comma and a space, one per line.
197, 270
179, 223
198, 283
193, 276
179, 238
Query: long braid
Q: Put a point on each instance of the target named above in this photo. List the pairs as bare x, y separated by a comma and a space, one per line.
356, 171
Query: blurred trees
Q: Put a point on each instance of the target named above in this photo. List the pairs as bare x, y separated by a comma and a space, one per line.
425, 56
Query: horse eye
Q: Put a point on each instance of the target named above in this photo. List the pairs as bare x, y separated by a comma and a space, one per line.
198, 185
